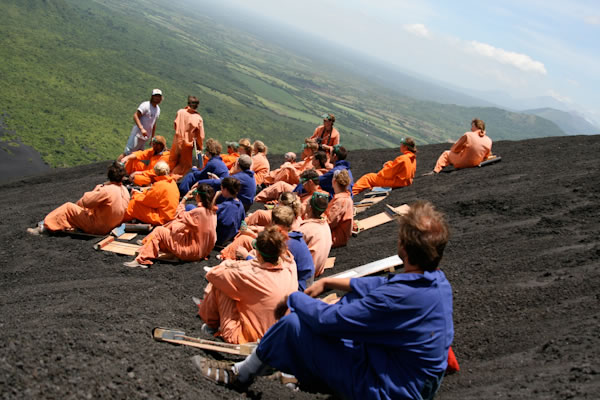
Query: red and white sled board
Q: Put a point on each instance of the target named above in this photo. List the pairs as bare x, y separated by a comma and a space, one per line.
379, 219
129, 249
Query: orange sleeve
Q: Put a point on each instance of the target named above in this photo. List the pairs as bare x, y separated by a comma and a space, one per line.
228, 278
460, 144
94, 198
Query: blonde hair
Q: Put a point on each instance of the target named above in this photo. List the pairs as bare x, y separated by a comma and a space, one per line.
162, 168
283, 215
291, 200
246, 145
342, 178
260, 147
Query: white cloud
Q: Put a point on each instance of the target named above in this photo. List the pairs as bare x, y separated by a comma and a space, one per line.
557, 96
416, 29
592, 20
520, 61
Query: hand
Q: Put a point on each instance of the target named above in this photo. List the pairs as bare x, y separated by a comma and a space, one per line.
144, 133
281, 309
241, 253
316, 288
212, 176
194, 186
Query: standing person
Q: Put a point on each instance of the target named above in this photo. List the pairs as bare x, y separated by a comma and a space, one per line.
145, 123
97, 212
387, 338
189, 128
468, 151
190, 236
397, 173
326, 135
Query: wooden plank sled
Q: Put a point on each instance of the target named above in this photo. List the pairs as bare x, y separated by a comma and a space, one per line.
388, 264
178, 337
379, 219
490, 160
129, 249
376, 195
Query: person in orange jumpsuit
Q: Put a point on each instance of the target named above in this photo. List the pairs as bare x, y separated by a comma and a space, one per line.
468, 151
320, 163
191, 236
260, 164
189, 128
316, 231
326, 135
256, 224
232, 155
142, 173
158, 204
340, 211
97, 212
240, 299
397, 173
287, 172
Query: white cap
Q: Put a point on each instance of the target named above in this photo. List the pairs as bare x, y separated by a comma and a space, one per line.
156, 91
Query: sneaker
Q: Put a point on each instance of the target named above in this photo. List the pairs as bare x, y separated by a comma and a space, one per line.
135, 264
208, 330
220, 372
34, 231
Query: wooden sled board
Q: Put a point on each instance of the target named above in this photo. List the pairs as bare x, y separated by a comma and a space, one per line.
179, 337
379, 219
329, 263
129, 249
385, 264
376, 195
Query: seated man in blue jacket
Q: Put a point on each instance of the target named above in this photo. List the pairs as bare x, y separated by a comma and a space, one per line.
214, 167
387, 338
230, 210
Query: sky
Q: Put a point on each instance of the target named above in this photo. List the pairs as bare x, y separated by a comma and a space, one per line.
524, 48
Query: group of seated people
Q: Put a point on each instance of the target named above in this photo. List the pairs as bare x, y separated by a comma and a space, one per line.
277, 253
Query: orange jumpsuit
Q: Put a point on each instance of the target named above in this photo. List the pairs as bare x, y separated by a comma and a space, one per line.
286, 173
340, 215
242, 239
188, 127
317, 236
273, 192
156, 205
468, 151
230, 159
330, 140
135, 164
261, 167
260, 218
241, 296
397, 173
190, 236
97, 212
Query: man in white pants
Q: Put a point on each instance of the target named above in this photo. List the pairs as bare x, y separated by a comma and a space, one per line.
145, 123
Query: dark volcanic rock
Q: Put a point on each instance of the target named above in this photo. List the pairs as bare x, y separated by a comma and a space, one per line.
523, 262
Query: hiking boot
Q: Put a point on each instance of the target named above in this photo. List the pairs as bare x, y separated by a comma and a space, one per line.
135, 264
220, 372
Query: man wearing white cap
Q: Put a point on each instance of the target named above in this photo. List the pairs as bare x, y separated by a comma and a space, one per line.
145, 123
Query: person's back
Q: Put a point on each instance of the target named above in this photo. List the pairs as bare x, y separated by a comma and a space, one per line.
475, 148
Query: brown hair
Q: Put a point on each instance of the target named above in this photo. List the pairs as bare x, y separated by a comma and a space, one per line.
291, 200
479, 124
342, 178
232, 185
311, 144
270, 244
321, 157
318, 203
423, 234
213, 147
260, 147
283, 215
116, 172
410, 144
206, 193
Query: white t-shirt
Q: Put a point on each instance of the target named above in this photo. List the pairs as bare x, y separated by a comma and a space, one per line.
149, 116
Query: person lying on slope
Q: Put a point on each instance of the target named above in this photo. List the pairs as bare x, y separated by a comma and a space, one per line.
397, 173
241, 296
191, 236
97, 212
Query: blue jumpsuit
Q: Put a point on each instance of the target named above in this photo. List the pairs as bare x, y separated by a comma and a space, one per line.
214, 165
326, 178
386, 339
230, 214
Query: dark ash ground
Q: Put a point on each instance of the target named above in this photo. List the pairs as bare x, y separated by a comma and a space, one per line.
523, 262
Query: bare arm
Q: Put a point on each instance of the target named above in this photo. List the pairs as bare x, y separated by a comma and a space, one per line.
328, 283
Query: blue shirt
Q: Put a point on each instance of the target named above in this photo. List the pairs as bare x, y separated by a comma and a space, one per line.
248, 190
216, 166
303, 258
230, 214
399, 327
326, 178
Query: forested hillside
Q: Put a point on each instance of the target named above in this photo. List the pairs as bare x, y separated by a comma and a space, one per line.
74, 71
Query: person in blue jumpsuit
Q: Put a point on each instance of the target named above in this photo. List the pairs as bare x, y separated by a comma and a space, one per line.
338, 159
230, 210
388, 338
214, 166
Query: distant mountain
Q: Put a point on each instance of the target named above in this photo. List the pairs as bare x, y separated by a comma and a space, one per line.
570, 123
74, 71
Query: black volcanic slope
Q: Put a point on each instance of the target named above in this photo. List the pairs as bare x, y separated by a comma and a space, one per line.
523, 262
